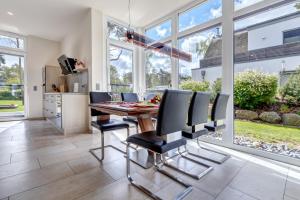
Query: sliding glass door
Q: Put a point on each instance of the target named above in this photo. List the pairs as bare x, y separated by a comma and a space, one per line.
11, 85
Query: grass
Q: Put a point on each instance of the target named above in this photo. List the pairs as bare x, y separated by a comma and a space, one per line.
268, 133
20, 107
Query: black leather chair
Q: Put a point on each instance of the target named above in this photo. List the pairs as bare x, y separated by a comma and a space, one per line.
104, 126
198, 115
131, 98
218, 113
171, 119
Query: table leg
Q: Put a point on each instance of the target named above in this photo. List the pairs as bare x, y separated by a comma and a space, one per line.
142, 157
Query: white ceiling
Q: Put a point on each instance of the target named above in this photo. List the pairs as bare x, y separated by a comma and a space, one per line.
53, 19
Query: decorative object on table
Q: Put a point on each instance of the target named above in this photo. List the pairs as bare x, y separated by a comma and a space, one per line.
155, 100
55, 88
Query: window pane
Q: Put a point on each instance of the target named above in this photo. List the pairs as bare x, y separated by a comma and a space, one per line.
121, 68
11, 85
11, 42
116, 32
202, 13
158, 70
239, 4
206, 50
266, 81
161, 31
291, 36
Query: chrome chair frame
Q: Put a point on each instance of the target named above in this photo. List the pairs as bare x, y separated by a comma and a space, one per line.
188, 188
92, 151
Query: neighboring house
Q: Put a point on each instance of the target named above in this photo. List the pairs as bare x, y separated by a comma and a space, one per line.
270, 47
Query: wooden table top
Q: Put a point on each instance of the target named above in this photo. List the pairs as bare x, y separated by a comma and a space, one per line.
123, 109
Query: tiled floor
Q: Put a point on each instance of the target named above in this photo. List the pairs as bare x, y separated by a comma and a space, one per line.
37, 162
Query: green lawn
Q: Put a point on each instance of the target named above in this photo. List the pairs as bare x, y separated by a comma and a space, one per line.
20, 107
268, 133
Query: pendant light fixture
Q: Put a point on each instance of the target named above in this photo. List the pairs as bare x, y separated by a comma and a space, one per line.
148, 43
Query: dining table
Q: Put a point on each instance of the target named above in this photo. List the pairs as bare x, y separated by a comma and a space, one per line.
144, 112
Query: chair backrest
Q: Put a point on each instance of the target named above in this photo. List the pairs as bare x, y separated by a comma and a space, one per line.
218, 111
172, 114
98, 97
149, 96
129, 97
198, 110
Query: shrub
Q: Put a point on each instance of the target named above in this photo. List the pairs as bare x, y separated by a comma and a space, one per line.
216, 87
5, 94
195, 86
253, 89
291, 90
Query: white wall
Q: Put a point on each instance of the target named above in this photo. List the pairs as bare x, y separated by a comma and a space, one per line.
271, 35
77, 44
87, 43
40, 52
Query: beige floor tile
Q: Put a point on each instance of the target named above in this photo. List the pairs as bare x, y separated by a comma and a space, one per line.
18, 168
231, 194
83, 164
26, 181
33, 154
119, 190
293, 184
170, 192
62, 156
215, 181
117, 168
260, 182
68, 188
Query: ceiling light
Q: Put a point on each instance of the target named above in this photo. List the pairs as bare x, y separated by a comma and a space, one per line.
10, 13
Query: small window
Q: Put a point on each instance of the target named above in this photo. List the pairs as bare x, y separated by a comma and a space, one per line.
291, 36
200, 14
11, 42
160, 31
116, 31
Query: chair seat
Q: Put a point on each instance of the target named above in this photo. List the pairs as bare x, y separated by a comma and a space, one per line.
110, 125
187, 133
212, 128
131, 120
150, 140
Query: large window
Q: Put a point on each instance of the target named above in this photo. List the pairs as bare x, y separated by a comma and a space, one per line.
266, 82
161, 31
206, 50
200, 14
121, 69
158, 70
